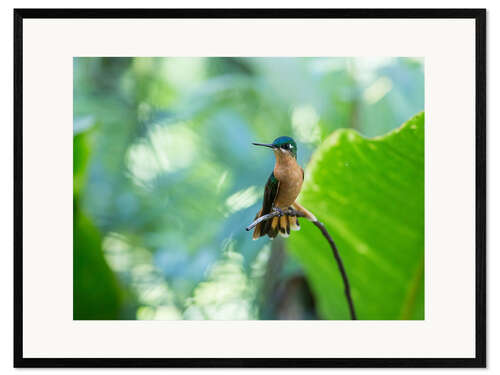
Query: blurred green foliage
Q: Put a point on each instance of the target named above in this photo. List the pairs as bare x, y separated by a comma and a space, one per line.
166, 180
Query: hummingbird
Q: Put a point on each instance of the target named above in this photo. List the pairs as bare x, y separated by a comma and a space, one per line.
282, 188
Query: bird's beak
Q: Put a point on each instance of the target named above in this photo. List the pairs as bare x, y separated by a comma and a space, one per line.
263, 144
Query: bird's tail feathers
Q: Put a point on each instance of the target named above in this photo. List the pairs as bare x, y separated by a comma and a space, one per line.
257, 232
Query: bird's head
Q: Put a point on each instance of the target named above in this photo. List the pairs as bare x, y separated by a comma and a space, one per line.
284, 145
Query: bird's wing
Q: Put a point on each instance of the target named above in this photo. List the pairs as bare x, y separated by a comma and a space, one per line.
270, 193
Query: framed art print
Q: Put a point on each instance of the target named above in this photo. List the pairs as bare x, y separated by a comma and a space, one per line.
250, 188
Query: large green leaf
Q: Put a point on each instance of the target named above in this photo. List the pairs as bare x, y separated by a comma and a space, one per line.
96, 291
369, 193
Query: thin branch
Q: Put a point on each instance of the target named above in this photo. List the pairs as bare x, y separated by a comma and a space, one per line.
336, 254
322, 228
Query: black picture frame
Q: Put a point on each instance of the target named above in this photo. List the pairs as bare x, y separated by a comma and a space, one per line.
479, 15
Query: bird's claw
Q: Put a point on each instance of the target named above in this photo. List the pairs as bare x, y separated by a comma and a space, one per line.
279, 211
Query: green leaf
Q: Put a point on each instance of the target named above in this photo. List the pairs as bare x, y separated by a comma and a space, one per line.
96, 292
369, 193
81, 153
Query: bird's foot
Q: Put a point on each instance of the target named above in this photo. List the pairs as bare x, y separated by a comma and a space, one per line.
279, 210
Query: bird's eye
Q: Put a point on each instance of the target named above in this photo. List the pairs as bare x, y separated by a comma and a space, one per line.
287, 146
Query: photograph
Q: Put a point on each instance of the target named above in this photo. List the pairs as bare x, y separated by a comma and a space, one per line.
248, 188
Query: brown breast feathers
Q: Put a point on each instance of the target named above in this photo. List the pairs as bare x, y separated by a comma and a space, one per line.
290, 176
